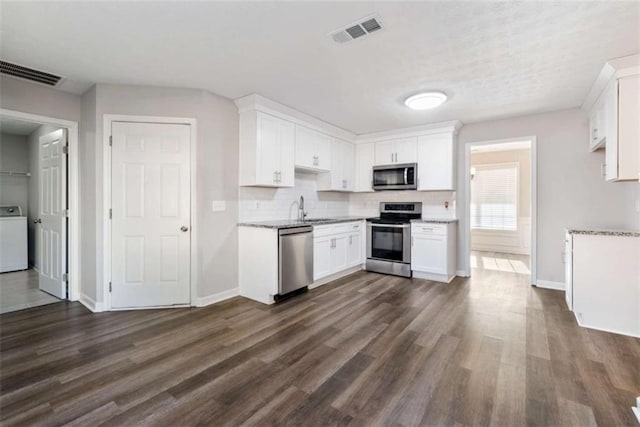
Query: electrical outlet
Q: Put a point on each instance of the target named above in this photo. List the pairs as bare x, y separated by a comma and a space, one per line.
218, 205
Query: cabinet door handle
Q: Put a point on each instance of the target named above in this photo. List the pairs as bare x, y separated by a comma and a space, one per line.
275, 176
350, 240
391, 157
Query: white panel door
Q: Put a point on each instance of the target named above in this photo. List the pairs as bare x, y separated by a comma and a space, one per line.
150, 234
52, 221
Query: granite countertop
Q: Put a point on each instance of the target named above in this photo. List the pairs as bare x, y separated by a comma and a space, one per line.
620, 233
284, 223
435, 220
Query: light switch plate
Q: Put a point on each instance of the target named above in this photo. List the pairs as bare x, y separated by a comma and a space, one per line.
218, 205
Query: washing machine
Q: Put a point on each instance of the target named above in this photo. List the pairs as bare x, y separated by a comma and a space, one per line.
13, 239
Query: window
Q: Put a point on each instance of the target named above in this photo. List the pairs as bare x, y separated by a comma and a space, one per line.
494, 197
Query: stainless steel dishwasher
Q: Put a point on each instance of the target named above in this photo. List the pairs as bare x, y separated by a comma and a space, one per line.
295, 257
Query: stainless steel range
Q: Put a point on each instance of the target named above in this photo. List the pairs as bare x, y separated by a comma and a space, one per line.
389, 238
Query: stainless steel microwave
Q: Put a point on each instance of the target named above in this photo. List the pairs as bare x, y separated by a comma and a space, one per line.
395, 177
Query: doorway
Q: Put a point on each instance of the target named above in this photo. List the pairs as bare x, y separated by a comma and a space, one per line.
501, 207
148, 235
38, 220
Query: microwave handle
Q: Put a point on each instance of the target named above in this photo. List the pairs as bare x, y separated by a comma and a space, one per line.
406, 179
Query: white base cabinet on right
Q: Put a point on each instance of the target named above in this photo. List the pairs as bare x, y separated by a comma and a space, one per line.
603, 280
433, 251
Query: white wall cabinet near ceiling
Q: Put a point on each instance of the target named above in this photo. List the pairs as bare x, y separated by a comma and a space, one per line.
342, 174
436, 160
365, 159
313, 149
336, 248
614, 108
266, 150
433, 251
396, 151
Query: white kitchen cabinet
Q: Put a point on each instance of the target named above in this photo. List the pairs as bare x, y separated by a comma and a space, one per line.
365, 159
342, 174
614, 107
396, 151
433, 251
322, 247
336, 248
266, 150
436, 160
355, 249
622, 147
313, 150
603, 281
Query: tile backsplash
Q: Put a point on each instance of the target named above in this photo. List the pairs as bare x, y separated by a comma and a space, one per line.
264, 204
433, 202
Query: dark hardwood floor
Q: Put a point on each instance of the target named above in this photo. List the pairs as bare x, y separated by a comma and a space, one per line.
365, 350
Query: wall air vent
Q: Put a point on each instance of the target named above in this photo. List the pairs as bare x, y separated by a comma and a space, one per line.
361, 28
29, 73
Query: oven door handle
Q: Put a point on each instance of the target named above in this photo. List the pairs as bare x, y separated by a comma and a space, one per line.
389, 225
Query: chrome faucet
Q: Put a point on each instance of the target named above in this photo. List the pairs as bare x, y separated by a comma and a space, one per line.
301, 213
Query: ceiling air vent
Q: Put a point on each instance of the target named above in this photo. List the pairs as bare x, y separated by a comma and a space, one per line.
356, 30
29, 73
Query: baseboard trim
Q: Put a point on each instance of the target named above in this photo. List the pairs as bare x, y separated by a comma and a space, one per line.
462, 273
214, 298
442, 278
636, 409
94, 307
548, 284
584, 325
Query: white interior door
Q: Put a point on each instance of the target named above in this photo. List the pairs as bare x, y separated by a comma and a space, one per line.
52, 221
150, 226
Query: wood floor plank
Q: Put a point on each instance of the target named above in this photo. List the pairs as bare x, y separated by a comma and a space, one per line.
367, 349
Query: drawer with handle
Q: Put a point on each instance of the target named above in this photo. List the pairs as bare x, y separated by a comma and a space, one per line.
427, 228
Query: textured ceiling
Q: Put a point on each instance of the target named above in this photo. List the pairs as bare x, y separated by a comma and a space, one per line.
17, 127
493, 59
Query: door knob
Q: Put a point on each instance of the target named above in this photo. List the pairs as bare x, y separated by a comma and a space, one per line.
37, 221
184, 228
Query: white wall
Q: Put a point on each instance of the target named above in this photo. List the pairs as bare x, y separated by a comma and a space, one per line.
263, 204
368, 204
217, 172
571, 192
14, 157
500, 240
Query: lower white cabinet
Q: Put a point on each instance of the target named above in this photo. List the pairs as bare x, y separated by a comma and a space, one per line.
603, 281
337, 247
433, 251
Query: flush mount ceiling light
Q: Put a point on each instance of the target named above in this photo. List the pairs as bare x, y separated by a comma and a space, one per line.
425, 100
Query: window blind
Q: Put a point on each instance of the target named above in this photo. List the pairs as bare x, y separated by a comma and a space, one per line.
494, 197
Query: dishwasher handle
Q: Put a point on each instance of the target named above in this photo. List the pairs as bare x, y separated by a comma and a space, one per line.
295, 230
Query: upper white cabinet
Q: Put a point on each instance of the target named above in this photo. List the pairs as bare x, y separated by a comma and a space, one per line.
436, 160
266, 150
402, 150
313, 150
342, 174
365, 159
614, 107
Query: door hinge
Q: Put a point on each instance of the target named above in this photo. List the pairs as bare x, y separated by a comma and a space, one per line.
110, 213
65, 149
110, 140
109, 286
65, 277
